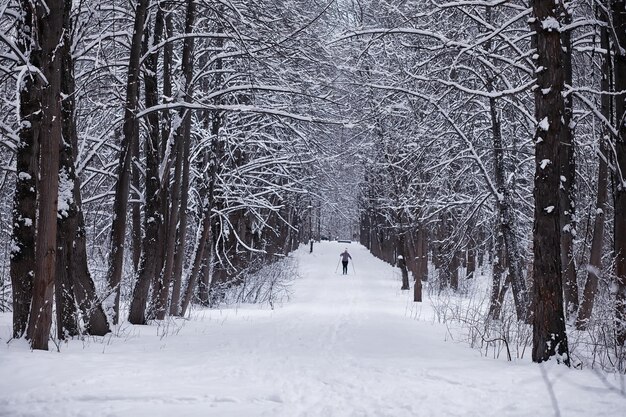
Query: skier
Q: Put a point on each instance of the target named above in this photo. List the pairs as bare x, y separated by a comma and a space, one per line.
344, 260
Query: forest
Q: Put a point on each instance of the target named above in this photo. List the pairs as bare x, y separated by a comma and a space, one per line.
160, 156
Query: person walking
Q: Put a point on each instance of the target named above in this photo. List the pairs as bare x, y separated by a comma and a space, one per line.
345, 256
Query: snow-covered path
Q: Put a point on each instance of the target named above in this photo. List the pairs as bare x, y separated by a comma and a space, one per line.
343, 346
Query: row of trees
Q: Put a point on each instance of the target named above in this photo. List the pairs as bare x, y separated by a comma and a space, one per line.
156, 153
468, 103
160, 150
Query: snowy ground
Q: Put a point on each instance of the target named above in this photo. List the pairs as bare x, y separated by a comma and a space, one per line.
343, 346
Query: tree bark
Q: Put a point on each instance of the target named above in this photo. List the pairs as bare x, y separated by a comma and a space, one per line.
71, 238
204, 280
595, 256
49, 18
24, 213
507, 221
135, 233
549, 335
175, 249
454, 269
471, 262
401, 261
74, 286
440, 257
149, 265
215, 165
122, 186
67, 319
422, 264
499, 269
183, 211
618, 11
567, 189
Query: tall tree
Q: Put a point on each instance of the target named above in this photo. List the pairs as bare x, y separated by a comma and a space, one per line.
618, 12
49, 20
150, 262
25, 196
74, 284
567, 169
597, 242
177, 227
122, 186
549, 335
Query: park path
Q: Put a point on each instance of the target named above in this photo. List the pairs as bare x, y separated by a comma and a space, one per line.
342, 346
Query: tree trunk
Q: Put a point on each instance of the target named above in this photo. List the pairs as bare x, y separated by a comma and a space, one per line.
74, 286
567, 189
507, 221
204, 281
67, 216
549, 336
499, 269
175, 250
595, 257
411, 255
73, 226
179, 254
471, 262
135, 233
423, 254
214, 168
422, 264
183, 212
150, 262
401, 260
24, 213
161, 289
167, 151
90, 305
203, 239
440, 256
618, 9
454, 269
49, 18
122, 186
204, 275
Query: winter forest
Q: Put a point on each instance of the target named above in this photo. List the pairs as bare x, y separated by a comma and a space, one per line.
179, 177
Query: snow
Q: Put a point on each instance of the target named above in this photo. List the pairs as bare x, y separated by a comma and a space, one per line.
594, 270
66, 196
544, 124
544, 163
343, 346
550, 23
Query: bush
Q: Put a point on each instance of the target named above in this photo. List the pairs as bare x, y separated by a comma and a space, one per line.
261, 283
